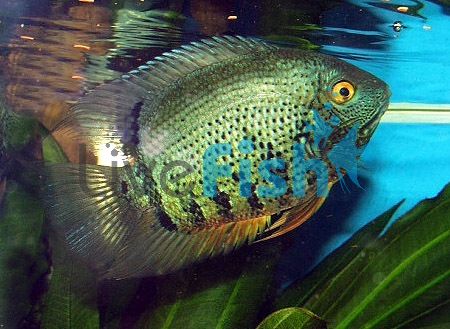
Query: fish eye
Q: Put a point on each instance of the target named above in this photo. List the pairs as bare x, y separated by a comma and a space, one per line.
342, 92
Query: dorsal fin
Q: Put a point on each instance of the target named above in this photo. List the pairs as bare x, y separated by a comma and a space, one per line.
109, 113
173, 65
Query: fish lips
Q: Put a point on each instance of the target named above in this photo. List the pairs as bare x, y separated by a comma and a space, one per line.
366, 132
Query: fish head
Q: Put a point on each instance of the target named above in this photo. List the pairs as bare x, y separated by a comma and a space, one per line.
356, 97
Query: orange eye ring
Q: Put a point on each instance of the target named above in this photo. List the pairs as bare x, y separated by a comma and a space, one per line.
342, 92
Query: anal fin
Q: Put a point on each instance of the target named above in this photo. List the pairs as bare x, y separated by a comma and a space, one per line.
86, 205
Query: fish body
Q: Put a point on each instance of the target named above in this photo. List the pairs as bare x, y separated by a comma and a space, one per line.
204, 130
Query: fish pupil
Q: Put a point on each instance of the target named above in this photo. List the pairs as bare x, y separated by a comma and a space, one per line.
344, 92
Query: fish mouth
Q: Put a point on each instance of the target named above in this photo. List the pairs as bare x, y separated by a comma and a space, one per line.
368, 129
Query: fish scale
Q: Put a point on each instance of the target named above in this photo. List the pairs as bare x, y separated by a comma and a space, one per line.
250, 96
173, 110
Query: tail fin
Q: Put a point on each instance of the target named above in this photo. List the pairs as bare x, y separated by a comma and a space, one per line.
84, 205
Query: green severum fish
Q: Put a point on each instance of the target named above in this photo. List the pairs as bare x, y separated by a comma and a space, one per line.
230, 103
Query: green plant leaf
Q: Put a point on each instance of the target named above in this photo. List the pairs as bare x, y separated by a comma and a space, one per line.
71, 301
393, 281
51, 151
22, 261
292, 318
15, 130
435, 318
347, 257
226, 292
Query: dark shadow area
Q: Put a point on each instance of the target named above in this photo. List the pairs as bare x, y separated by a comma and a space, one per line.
445, 4
343, 23
127, 301
308, 240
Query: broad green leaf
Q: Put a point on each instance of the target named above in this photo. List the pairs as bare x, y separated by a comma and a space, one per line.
52, 153
395, 280
292, 318
435, 318
223, 293
71, 301
348, 257
22, 261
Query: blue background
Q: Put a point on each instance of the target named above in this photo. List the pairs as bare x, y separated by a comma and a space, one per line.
402, 161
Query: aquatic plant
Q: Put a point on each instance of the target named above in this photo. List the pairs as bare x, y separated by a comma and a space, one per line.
395, 279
